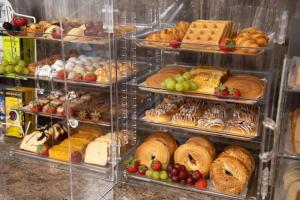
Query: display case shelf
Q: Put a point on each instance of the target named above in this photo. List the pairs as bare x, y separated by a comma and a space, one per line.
224, 134
102, 122
140, 39
139, 82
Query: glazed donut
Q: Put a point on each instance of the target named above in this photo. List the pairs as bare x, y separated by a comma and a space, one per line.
152, 150
229, 175
203, 141
243, 155
194, 157
166, 139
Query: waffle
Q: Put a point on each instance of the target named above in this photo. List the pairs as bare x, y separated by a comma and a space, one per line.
208, 33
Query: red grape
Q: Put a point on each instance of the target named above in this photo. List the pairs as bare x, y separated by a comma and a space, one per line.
175, 178
174, 172
170, 167
177, 166
182, 175
89, 25
99, 24
190, 181
182, 168
196, 174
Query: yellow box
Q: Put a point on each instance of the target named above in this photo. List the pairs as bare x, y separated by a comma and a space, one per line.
16, 120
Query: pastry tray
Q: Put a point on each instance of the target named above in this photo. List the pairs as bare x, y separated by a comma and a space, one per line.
101, 122
58, 80
195, 129
142, 86
101, 169
199, 47
210, 190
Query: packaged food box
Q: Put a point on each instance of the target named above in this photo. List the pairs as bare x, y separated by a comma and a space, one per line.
16, 120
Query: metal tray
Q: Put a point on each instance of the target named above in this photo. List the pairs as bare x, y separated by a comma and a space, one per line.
142, 86
200, 47
223, 133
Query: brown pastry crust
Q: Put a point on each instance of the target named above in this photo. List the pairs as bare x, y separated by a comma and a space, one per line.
251, 87
166, 139
156, 79
203, 141
229, 175
242, 154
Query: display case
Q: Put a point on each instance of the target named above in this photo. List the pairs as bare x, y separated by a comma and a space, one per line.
286, 142
188, 90
183, 43
68, 115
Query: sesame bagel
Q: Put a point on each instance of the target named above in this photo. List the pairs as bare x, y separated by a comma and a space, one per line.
229, 175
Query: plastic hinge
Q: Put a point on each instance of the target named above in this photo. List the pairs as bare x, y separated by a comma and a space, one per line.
283, 24
125, 174
107, 13
265, 183
73, 123
71, 95
266, 156
269, 123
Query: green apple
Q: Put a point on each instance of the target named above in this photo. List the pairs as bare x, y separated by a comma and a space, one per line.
9, 69
5, 63
25, 71
186, 86
22, 63
179, 87
193, 85
149, 173
170, 83
187, 75
163, 85
13, 62
19, 69
156, 175
179, 78
2, 69
163, 175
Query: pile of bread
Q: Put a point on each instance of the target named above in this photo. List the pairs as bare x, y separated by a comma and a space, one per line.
229, 172
253, 38
236, 119
207, 35
169, 34
295, 131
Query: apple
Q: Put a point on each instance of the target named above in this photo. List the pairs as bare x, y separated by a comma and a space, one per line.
57, 33
9, 69
19, 69
60, 74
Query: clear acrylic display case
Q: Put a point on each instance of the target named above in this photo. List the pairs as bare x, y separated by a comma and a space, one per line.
74, 77
127, 60
154, 17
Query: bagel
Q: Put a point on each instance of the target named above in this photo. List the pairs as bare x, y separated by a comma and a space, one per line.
243, 155
166, 139
152, 150
203, 141
194, 157
229, 175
